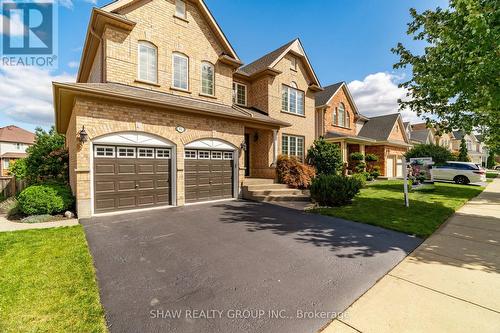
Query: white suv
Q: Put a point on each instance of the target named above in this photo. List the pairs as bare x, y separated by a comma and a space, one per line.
458, 172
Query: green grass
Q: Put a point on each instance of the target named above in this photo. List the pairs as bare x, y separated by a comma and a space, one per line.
491, 175
382, 204
47, 283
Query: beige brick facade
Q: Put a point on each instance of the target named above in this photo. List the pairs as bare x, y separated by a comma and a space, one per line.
340, 97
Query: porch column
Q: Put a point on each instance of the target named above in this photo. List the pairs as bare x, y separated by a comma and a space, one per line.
275, 147
343, 147
362, 149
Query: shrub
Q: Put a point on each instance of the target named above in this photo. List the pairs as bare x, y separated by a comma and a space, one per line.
463, 154
357, 156
326, 157
19, 169
371, 158
439, 154
490, 163
360, 167
294, 173
45, 199
335, 190
375, 173
361, 177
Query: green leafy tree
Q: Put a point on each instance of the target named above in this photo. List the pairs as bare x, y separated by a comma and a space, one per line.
456, 77
439, 154
19, 169
325, 157
490, 163
463, 153
47, 158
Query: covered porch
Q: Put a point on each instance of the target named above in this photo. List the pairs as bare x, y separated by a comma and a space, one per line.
349, 145
261, 152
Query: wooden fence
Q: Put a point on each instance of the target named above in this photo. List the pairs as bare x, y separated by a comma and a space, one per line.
9, 186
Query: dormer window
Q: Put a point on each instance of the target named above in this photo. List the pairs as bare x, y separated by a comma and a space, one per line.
180, 69
293, 64
180, 8
239, 94
148, 70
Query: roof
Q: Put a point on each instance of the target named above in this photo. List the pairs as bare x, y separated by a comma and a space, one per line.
14, 155
117, 5
16, 134
379, 128
323, 97
335, 135
479, 137
269, 60
419, 127
64, 94
420, 135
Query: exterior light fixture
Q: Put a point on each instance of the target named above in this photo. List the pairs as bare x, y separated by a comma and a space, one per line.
82, 135
243, 146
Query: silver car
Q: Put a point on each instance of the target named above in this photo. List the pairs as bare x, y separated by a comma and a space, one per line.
458, 172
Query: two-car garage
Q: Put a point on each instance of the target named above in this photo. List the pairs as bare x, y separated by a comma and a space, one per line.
134, 171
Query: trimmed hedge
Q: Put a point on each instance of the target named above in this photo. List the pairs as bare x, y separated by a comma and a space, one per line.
45, 199
335, 190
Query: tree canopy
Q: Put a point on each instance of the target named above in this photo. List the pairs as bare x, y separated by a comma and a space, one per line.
457, 78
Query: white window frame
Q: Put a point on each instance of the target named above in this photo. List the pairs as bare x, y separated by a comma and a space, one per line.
180, 9
289, 89
226, 155
153, 47
143, 148
186, 152
202, 152
167, 150
341, 107
105, 147
185, 57
216, 158
235, 93
18, 146
6, 163
293, 64
297, 138
207, 63
118, 152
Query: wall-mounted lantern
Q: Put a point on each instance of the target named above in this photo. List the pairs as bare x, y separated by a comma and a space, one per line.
243, 146
82, 135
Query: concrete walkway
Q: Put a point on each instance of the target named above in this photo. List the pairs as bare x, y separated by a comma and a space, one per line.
6, 225
451, 283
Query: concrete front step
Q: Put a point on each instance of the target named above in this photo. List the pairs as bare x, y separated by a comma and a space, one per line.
257, 181
282, 192
271, 198
259, 187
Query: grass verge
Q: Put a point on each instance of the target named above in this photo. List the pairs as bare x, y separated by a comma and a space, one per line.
47, 282
382, 204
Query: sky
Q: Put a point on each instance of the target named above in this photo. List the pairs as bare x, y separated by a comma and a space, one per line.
345, 41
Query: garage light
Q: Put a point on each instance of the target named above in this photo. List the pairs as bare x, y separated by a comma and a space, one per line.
82, 135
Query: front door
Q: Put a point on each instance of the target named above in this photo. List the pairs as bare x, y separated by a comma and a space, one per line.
390, 167
247, 155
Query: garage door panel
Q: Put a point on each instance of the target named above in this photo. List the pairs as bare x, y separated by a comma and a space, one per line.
115, 181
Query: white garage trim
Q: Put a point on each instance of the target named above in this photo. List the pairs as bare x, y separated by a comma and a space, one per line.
134, 139
210, 144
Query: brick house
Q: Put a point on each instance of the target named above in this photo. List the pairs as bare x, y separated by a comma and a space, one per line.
339, 121
164, 113
13, 144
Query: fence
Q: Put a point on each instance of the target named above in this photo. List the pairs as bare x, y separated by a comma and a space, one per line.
10, 186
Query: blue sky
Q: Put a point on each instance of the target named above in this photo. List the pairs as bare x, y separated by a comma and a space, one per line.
345, 41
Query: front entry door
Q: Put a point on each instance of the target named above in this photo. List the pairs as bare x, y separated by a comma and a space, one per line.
247, 155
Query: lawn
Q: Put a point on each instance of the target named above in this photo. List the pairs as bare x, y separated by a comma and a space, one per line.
382, 204
47, 283
491, 175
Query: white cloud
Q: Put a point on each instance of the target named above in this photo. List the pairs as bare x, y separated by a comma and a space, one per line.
27, 94
73, 64
378, 95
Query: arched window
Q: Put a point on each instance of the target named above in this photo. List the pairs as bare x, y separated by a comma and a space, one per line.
207, 78
347, 120
341, 115
180, 70
148, 59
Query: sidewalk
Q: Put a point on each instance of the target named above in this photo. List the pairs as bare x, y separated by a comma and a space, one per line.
451, 283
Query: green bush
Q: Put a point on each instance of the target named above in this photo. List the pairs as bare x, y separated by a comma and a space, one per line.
371, 158
326, 157
357, 156
439, 154
19, 169
361, 177
375, 173
334, 190
360, 167
45, 199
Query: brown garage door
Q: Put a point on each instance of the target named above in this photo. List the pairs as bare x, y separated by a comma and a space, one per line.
208, 175
131, 177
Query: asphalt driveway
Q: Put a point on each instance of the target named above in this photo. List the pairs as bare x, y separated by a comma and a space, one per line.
235, 266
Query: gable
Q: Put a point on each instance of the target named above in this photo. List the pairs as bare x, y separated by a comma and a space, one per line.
398, 132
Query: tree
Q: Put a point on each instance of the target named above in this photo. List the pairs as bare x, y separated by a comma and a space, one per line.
439, 154
490, 163
47, 158
463, 153
456, 78
325, 156
18, 169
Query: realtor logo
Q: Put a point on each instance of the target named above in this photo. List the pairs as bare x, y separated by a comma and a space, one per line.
29, 35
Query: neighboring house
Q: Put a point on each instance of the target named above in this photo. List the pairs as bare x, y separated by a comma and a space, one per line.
420, 134
171, 115
445, 140
476, 150
339, 121
13, 144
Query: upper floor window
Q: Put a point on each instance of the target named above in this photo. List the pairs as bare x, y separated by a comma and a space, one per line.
180, 69
207, 78
348, 120
293, 64
239, 93
18, 146
6, 163
148, 62
292, 99
180, 8
341, 115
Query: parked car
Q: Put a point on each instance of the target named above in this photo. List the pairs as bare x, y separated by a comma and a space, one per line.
497, 167
458, 172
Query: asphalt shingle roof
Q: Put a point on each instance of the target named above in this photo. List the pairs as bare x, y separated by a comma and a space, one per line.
458, 135
379, 128
13, 133
264, 61
324, 96
420, 135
